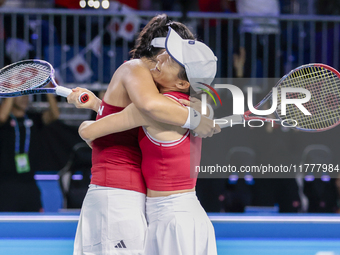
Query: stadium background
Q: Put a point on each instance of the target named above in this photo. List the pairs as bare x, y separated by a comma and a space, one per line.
86, 45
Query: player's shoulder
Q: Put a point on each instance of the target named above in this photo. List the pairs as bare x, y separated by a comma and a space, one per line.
135, 65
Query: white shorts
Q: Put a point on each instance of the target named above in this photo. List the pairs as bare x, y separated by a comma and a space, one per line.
178, 225
112, 222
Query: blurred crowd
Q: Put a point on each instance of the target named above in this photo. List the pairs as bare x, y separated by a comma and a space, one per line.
258, 39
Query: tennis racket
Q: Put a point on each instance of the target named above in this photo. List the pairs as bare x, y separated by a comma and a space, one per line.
322, 81
30, 77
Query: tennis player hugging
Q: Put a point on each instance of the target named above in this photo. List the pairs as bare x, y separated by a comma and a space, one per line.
177, 223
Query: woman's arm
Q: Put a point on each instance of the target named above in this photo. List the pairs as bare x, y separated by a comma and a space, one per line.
145, 95
52, 113
129, 118
5, 109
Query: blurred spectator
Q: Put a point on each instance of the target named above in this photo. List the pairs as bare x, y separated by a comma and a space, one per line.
319, 189
239, 61
277, 148
259, 36
17, 47
327, 7
2, 31
225, 6
327, 30
238, 189
69, 4
20, 130
135, 4
337, 184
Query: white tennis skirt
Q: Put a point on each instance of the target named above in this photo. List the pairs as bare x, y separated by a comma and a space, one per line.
178, 225
112, 222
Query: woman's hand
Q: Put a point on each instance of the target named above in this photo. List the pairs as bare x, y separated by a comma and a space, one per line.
193, 103
93, 103
197, 105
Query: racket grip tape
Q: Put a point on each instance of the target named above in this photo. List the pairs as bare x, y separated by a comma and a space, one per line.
83, 98
62, 91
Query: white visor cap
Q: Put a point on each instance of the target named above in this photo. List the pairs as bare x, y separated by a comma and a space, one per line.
199, 61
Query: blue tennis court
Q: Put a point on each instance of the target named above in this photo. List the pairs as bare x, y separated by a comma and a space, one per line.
237, 234
59, 246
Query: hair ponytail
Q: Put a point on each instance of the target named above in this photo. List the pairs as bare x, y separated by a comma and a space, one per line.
158, 26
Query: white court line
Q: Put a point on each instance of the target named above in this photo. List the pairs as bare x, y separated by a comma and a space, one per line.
217, 219
36, 218
278, 219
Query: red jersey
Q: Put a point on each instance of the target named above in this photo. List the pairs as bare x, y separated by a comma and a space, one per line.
170, 165
116, 158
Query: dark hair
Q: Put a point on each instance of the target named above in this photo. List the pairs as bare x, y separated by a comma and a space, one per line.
182, 74
158, 26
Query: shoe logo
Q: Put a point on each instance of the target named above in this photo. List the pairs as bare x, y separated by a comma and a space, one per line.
121, 244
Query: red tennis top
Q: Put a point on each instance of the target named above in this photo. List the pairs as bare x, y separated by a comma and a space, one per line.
116, 158
170, 165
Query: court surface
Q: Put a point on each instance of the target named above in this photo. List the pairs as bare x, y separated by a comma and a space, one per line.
237, 234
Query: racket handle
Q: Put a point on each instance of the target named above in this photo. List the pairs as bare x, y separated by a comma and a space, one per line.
231, 120
83, 98
62, 91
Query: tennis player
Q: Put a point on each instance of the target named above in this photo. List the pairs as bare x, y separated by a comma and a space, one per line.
177, 222
112, 219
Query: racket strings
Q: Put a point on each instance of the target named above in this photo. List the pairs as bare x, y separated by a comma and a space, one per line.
317, 121
324, 104
23, 76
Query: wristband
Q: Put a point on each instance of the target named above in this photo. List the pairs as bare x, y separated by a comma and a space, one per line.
193, 120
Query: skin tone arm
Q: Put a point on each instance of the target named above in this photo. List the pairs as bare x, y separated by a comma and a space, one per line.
5, 109
129, 118
48, 116
142, 91
52, 113
145, 95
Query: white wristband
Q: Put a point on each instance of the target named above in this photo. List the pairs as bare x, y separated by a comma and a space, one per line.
193, 120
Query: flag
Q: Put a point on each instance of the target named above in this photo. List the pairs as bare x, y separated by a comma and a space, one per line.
80, 69
129, 27
96, 46
17, 49
113, 27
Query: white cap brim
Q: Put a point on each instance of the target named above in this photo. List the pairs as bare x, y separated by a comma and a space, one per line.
174, 46
197, 58
158, 42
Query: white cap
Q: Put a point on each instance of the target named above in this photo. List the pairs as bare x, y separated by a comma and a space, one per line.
197, 58
158, 42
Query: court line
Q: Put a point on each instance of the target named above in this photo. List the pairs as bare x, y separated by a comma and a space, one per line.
278, 219
213, 218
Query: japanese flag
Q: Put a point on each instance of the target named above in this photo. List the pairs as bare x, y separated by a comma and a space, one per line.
96, 46
80, 69
129, 27
113, 27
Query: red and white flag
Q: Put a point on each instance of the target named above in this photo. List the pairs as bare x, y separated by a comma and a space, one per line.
113, 28
96, 46
129, 27
80, 69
